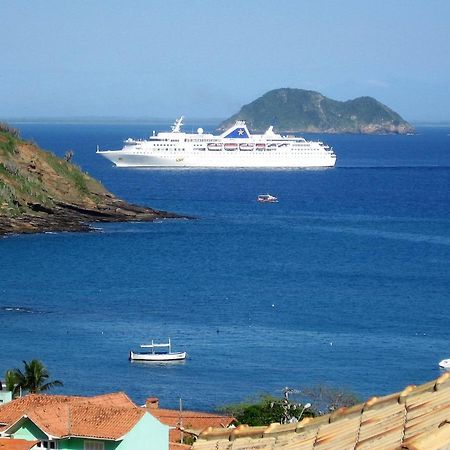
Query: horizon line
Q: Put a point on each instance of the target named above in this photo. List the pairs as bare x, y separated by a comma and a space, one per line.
154, 120
108, 119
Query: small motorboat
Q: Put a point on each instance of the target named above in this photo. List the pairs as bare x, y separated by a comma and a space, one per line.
157, 352
267, 198
445, 364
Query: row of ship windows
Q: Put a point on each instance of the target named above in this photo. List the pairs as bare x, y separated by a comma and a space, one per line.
177, 150
219, 143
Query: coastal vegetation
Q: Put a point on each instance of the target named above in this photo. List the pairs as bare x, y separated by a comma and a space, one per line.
267, 409
312, 401
299, 110
41, 192
34, 378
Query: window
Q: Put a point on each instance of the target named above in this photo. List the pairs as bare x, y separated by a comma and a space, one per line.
94, 445
47, 444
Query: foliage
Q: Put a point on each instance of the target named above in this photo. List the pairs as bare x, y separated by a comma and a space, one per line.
5, 128
302, 110
265, 410
68, 171
68, 155
10, 380
188, 439
8, 144
33, 379
327, 399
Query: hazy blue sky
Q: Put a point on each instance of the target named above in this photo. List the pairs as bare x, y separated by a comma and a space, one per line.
163, 58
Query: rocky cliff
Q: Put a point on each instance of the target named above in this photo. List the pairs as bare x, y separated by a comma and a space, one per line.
41, 192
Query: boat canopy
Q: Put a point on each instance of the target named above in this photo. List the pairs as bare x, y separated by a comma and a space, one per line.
155, 345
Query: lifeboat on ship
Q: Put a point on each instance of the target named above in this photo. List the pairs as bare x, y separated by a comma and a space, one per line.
214, 146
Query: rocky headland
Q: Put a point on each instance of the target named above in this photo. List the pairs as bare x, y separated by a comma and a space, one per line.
40, 192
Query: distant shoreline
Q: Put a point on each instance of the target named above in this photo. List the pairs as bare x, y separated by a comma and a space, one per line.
151, 121
107, 120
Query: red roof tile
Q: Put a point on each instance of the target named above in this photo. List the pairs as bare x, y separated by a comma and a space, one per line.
416, 418
177, 446
108, 416
119, 399
16, 444
190, 420
196, 420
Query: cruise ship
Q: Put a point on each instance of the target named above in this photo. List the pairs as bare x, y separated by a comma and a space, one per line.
235, 147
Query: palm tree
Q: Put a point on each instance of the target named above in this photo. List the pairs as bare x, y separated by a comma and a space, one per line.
34, 378
11, 383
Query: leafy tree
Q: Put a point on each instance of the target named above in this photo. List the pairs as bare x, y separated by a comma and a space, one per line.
265, 410
34, 378
10, 381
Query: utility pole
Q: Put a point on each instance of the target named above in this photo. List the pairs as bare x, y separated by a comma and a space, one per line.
180, 421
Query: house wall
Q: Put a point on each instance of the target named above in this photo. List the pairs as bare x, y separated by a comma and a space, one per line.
148, 434
28, 431
5, 396
78, 444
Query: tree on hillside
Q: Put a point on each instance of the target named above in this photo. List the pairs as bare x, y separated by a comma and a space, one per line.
34, 378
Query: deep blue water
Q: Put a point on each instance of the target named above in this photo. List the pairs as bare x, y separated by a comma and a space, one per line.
345, 281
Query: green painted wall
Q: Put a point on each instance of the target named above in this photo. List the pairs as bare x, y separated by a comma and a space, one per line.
78, 444
27, 430
148, 434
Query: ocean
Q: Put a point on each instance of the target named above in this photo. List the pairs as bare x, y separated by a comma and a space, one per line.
345, 282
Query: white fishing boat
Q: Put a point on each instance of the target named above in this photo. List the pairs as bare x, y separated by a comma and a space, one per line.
445, 364
235, 147
267, 198
158, 352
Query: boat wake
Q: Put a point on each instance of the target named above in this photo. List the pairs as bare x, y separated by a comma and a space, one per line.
19, 310
419, 238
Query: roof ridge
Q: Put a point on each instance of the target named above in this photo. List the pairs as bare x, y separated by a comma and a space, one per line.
372, 403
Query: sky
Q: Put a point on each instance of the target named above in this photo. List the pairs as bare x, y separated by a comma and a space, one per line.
207, 58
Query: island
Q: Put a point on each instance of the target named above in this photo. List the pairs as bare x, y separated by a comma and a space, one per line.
299, 110
40, 192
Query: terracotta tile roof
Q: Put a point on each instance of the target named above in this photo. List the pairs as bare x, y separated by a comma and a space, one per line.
191, 421
103, 422
16, 444
12, 411
418, 418
107, 416
177, 446
196, 420
119, 399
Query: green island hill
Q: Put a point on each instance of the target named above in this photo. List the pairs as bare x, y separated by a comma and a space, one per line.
299, 110
40, 192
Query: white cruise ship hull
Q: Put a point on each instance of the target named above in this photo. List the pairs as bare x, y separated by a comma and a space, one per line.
223, 160
235, 148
